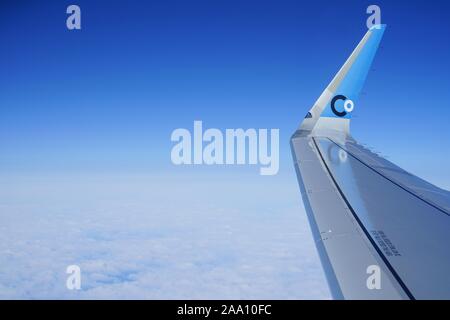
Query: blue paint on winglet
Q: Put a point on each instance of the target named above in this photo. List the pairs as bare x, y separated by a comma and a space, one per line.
353, 82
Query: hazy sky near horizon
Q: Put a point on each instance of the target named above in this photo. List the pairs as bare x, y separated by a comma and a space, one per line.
86, 118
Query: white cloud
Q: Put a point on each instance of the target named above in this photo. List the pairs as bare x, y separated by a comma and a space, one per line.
157, 237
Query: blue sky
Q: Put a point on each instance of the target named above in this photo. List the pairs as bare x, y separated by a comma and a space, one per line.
102, 103
108, 97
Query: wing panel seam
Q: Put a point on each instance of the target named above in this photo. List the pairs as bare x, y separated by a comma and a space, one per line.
372, 241
392, 181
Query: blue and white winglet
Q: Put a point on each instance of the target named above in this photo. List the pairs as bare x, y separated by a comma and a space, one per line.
381, 232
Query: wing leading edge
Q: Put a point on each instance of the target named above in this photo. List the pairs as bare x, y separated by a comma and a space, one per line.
381, 232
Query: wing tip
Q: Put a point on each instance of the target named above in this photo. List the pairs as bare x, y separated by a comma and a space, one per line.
381, 27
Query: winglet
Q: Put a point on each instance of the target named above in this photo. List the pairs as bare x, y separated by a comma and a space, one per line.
332, 111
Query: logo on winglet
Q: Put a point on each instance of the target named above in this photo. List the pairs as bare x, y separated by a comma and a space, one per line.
348, 105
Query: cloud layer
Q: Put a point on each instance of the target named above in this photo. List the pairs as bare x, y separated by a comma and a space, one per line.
156, 237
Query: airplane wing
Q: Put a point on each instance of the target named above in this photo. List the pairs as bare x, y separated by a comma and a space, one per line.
381, 232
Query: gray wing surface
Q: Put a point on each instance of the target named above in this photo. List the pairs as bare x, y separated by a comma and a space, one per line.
369, 218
